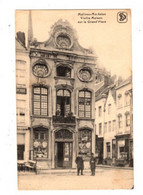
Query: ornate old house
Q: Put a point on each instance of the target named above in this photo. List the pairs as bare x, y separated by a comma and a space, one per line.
61, 98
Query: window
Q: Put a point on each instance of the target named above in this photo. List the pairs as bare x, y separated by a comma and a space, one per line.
108, 149
40, 101
120, 121
105, 127
85, 142
114, 125
109, 126
63, 71
127, 117
85, 104
20, 152
114, 148
127, 98
20, 111
119, 100
100, 111
63, 102
100, 128
40, 143
109, 108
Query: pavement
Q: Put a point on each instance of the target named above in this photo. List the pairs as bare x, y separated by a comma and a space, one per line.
105, 178
70, 171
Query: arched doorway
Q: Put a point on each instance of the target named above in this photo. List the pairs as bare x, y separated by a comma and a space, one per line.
63, 148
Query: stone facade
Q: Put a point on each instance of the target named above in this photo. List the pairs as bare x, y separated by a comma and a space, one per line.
62, 101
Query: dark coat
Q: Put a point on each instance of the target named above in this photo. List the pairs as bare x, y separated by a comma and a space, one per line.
79, 162
92, 162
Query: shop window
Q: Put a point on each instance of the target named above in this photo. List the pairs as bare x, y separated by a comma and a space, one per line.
84, 104
113, 148
63, 71
20, 152
40, 144
108, 149
63, 102
85, 142
40, 101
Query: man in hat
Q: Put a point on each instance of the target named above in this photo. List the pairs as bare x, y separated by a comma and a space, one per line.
92, 164
80, 164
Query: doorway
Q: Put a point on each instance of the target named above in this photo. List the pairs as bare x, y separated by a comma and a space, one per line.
63, 154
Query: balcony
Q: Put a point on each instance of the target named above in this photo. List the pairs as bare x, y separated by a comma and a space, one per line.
66, 119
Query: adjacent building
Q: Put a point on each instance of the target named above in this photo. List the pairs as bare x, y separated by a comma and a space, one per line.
22, 98
124, 136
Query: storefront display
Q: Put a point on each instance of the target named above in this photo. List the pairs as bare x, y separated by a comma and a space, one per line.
85, 142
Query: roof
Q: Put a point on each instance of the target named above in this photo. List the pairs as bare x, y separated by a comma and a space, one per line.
104, 93
125, 82
19, 45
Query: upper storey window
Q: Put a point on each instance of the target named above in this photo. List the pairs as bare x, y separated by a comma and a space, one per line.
85, 104
63, 102
40, 101
119, 100
63, 71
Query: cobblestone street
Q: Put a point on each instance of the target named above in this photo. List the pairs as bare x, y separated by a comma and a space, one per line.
105, 178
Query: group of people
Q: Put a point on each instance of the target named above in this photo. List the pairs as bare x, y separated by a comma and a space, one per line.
80, 164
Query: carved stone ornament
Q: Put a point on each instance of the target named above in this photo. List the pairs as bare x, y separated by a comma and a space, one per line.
63, 39
85, 74
41, 69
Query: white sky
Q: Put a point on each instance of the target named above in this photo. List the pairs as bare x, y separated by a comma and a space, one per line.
111, 41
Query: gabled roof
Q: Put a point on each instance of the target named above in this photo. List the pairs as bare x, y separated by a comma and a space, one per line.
63, 28
104, 93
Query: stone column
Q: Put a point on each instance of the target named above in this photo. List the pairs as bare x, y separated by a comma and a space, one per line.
74, 151
93, 140
53, 149
31, 143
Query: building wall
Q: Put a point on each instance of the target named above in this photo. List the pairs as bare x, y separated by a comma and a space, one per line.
123, 109
54, 57
22, 99
110, 119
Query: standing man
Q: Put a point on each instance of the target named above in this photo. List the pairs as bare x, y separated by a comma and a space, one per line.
92, 164
80, 164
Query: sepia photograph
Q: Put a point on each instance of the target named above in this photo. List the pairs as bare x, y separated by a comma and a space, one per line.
74, 102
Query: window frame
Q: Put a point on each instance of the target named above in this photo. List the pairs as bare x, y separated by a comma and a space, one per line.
40, 102
84, 101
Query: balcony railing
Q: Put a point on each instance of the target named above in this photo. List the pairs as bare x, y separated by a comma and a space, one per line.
61, 119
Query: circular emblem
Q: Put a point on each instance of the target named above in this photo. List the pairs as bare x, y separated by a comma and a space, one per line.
44, 144
63, 39
85, 74
36, 144
41, 69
